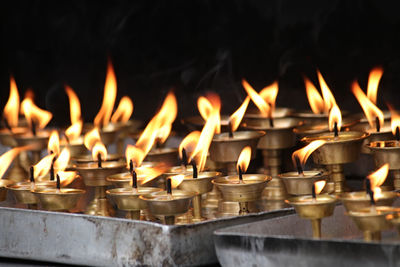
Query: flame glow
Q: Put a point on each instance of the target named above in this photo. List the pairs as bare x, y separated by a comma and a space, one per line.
53, 145
237, 116
210, 104
329, 99
244, 159
99, 149
378, 177
304, 153
11, 108
124, 110
371, 111
61, 163
43, 166
135, 154
335, 116
74, 131
395, 119
67, 177
373, 82
204, 106
269, 94
74, 105
257, 99
7, 158
319, 186
189, 143
110, 93
149, 173
176, 180
91, 138
35, 114
314, 98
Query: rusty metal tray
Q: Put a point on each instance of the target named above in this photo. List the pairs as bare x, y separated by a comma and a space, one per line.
287, 241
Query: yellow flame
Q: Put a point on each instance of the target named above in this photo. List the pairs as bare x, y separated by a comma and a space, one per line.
91, 138
237, 116
335, 116
124, 110
319, 186
373, 82
99, 149
67, 177
378, 177
135, 154
149, 173
53, 145
304, 153
7, 158
257, 99
189, 143
269, 94
395, 119
163, 133
110, 93
61, 163
370, 110
204, 106
329, 99
35, 114
209, 104
11, 108
314, 98
74, 105
176, 180
74, 131
43, 166
244, 159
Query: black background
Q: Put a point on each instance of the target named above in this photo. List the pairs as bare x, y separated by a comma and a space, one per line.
195, 46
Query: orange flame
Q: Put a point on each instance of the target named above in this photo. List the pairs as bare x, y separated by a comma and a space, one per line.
35, 114
176, 180
395, 119
163, 133
110, 93
244, 159
11, 108
61, 163
319, 185
378, 177
91, 138
209, 104
237, 116
164, 118
370, 110
314, 98
74, 105
124, 110
335, 116
67, 177
74, 131
43, 166
135, 154
204, 106
304, 153
53, 145
257, 99
189, 143
7, 158
269, 94
329, 99
149, 173
99, 149
373, 82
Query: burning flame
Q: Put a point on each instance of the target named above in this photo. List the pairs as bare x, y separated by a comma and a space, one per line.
373, 82
99, 149
395, 119
257, 99
335, 116
208, 105
74, 105
204, 106
269, 94
53, 145
110, 93
244, 159
378, 177
35, 114
43, 166
189, 143
135, 154
237, 116
150, 173
124, 110
157, 126
91, 138
74, 131
314, 98
329, 99
61, 163
11, 108
370, 110
67, 177
176, 180
163, 133
304, 153
319, 185
7, 158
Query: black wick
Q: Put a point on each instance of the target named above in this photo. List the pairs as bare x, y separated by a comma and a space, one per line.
298, 165
194, 167
99, 160
230, 129
378, 124
133, 173
33, 128
184, 157
335, 129
58, 182
52, 167
314, 194
31, 174
240, 173
369, 191
397, 133
169, 186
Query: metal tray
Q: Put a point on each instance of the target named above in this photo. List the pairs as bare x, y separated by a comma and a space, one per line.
92, 240
287, 241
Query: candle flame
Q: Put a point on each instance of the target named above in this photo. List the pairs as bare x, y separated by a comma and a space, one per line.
91, 138
314, 98
61, 163
329, 99
110, 93
149, 173
378, 177
319, 186
335, 116
99, 149
244, 159
395, 119
67, 177
210, 104
371, 111
53, 145
135, 154
35, 114
257, 99
189, 143
176, 180
11, 109
304, 153
373, 82
74, 131
74, 105
7, 158
269, 94
237, 116
43, 166
124, 110
204, 106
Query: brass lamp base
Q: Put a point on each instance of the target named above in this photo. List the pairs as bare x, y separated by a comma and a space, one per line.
100, 206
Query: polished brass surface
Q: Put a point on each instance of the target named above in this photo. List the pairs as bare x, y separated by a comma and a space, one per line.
3, 190
336, 176
372, 221
100, 206
94, 176
210, 203
302, 185
248, 190
386, 152
128, 198
394, 220
63, 199
345, 149
124, 179
226, 149
165, 154
197, 122
22, 191
384, 134
275, 190
318, 127
175, 170
279, 112
40, 140
16, 172
169, 206
354, 201
7, 137
75, 150
86, 158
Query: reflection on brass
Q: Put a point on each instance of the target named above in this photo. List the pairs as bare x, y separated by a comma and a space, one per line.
302, 185
3, 191
92, 175
63, 199
165, 155
22, 190
354, 201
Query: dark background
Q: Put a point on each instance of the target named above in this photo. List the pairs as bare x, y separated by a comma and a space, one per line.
195, 46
